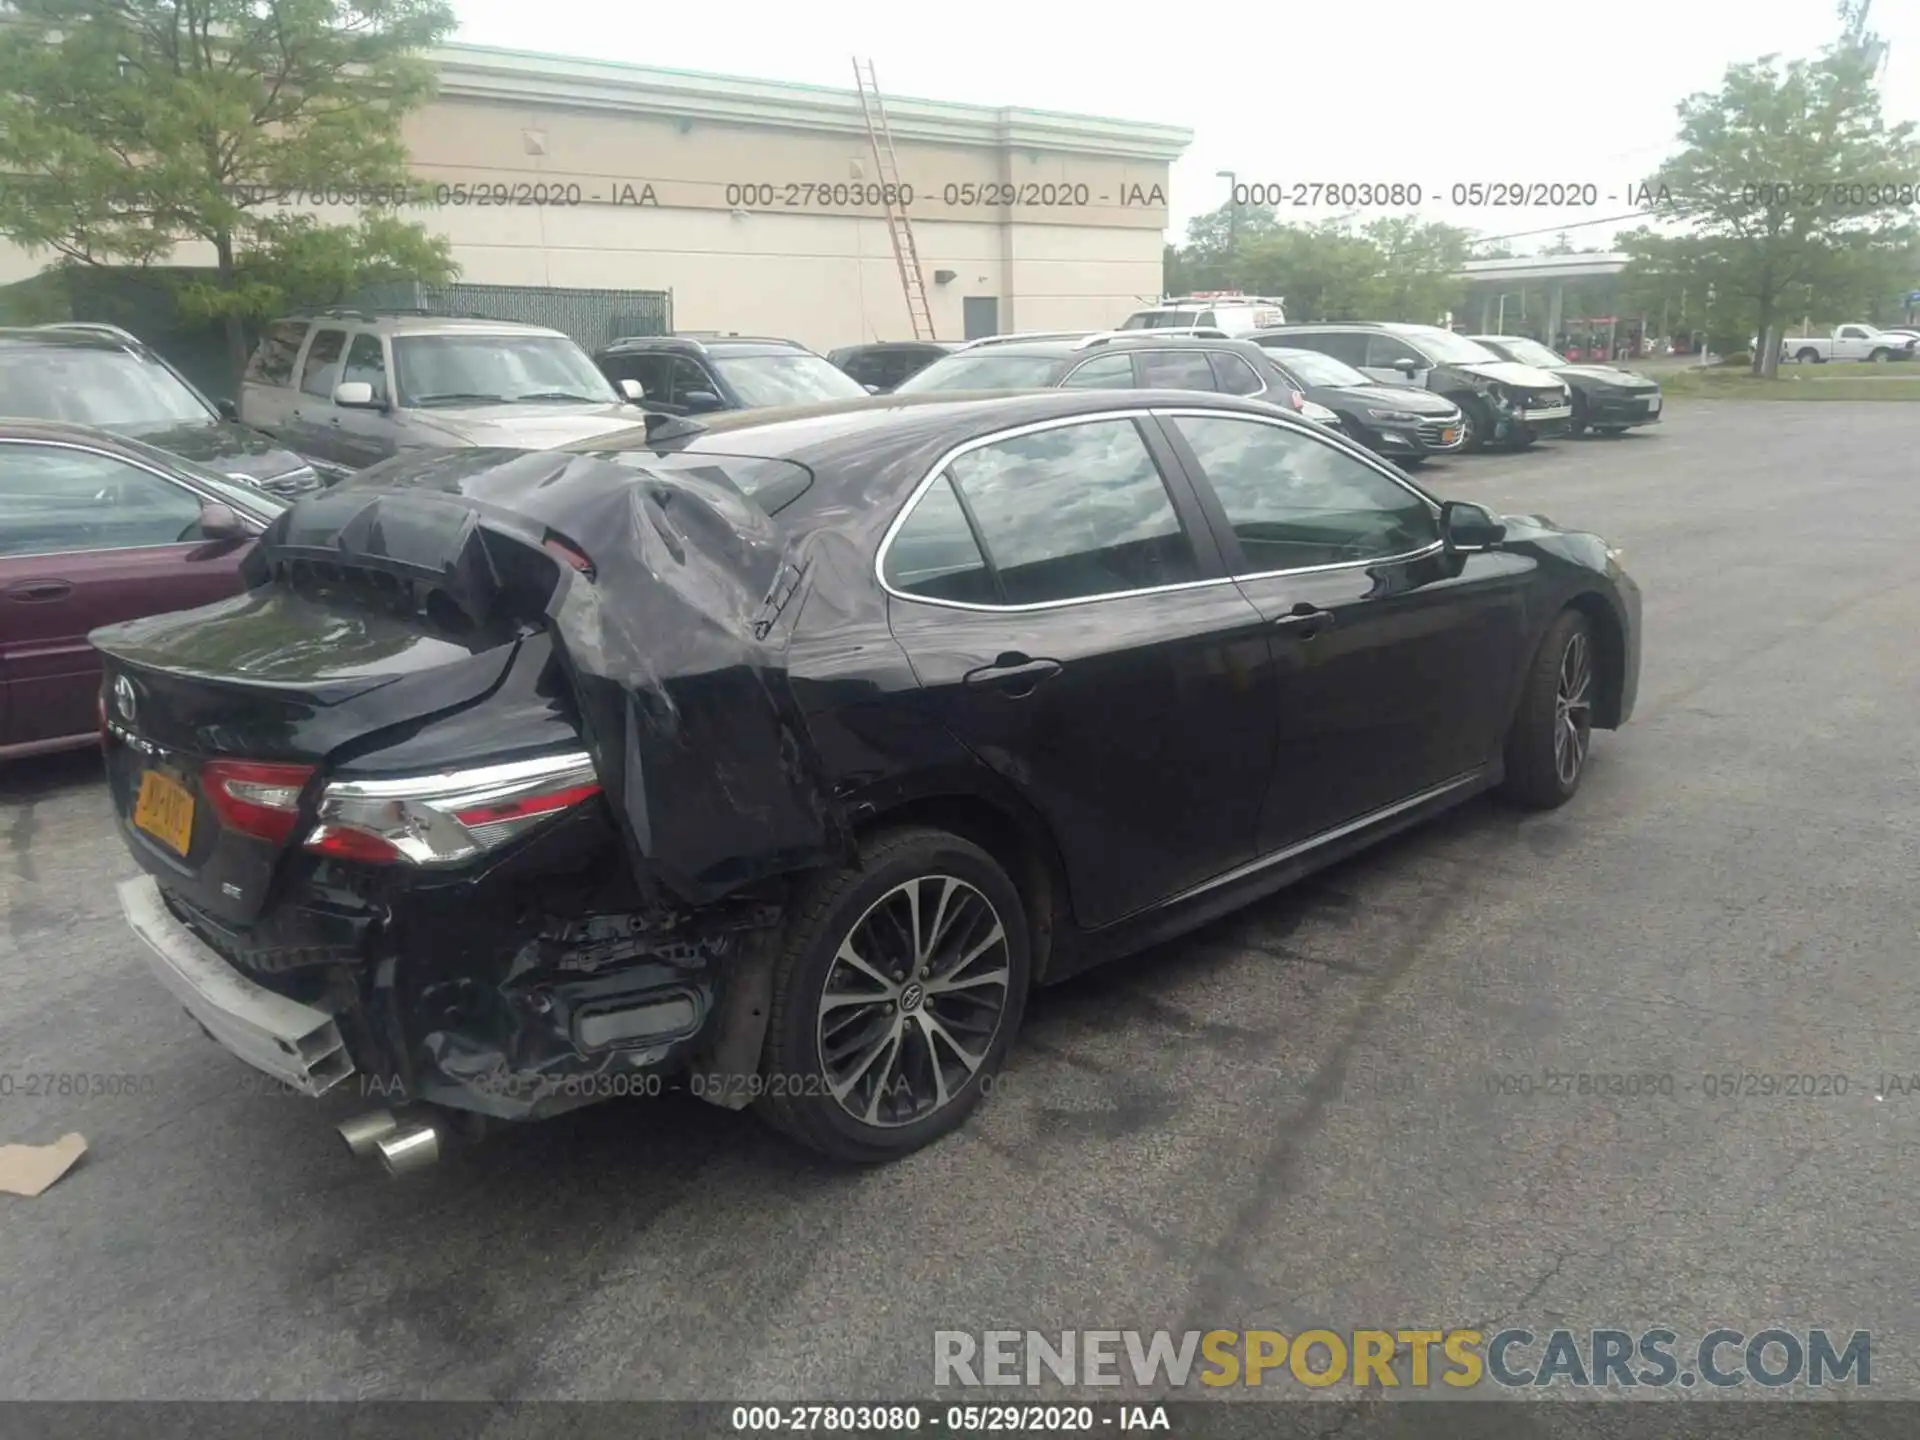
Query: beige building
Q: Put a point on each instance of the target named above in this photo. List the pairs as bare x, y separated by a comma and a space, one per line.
756, 203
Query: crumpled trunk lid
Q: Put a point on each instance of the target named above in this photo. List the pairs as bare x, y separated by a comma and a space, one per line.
401, 595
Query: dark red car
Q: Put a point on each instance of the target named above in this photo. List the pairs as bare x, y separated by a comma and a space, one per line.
94, 529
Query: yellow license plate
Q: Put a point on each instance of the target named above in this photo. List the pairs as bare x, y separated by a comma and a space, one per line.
1447, 437
165, 811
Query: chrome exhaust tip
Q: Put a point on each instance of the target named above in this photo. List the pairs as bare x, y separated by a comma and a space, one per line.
364, 1133
405, 1151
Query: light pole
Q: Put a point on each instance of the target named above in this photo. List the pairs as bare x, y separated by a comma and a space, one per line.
1233, 210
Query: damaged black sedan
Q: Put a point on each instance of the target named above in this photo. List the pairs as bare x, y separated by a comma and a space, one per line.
778, 758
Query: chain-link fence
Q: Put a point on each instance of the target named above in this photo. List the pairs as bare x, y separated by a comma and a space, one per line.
592, 317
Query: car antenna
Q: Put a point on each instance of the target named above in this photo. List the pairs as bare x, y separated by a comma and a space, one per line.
662, 426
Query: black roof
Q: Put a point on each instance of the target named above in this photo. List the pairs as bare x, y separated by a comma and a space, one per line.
700, 344
1118, 340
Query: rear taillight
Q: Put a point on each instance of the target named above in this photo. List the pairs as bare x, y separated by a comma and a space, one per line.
256, 798
452, 816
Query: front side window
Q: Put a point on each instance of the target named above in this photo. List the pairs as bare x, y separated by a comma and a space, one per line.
1295, 501
1445, 346
367, 361
272, 362
1347, 345
1074, 512
504, 369
795, 379
58, 500
1384, 352
322, 370
87, 385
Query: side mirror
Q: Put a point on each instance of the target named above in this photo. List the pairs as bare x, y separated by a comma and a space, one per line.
1407, 366
221, 522
633, 390
228, 410
699, 400
355, 395
1466, 527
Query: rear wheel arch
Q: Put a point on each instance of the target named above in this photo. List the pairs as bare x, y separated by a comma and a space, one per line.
1020, 843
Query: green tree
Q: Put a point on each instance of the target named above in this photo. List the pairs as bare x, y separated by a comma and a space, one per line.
129, 127
1785, 178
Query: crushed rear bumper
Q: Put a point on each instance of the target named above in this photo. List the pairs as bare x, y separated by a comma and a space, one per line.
296, 1044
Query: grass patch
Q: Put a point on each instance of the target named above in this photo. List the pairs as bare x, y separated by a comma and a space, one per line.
1794, 382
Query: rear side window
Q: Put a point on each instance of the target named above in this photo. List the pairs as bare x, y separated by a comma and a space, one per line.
934, 553
1232, 375
1074, 512
1174, 370
272, 362
322, 370
1109, 372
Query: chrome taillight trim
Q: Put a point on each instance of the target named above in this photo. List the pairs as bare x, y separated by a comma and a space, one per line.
476, 785
417, 815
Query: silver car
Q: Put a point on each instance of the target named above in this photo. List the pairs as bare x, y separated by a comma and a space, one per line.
346, 389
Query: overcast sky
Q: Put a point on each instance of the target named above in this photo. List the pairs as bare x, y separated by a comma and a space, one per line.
1407, 91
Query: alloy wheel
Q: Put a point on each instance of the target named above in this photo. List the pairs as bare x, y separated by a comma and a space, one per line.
1573, 709
913, 1000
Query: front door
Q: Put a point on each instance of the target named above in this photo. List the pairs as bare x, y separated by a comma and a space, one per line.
980, 315
86, 540
364, 437
312, 431
1396, 662
1051, 590
1392, 361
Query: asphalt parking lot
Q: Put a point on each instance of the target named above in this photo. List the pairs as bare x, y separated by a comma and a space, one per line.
1301, 1116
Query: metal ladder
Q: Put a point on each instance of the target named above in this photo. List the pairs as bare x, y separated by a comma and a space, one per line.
899, 228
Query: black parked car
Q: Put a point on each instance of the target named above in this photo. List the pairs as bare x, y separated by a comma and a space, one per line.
104, 377
685, 375
1502, 403
883, 364
1145, 359
1606, 398
1404, 424
785, 754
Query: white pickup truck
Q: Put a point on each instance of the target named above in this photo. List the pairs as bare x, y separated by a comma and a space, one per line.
1850, 342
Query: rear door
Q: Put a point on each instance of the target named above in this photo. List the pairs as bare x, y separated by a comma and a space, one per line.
88, 539
1062, 603
267, 394
1396, 663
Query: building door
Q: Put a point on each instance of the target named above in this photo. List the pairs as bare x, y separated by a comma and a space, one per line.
981, 315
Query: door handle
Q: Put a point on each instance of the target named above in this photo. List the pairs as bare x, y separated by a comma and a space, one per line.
1013, 675
1304, 622
39, 590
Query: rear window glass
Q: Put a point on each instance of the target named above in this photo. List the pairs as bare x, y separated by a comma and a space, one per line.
984, 372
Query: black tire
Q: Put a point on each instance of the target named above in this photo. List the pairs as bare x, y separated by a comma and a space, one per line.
1808, 357
1521, 438
1578, 424
1476, 420
1880, 357
1537, 776
798, 1096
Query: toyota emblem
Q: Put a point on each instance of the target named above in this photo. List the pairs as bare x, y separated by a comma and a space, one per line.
123, 698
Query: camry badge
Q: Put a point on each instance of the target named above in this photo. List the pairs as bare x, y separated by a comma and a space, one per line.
123, 698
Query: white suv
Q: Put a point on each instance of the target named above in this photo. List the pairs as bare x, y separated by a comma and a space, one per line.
1231, 314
